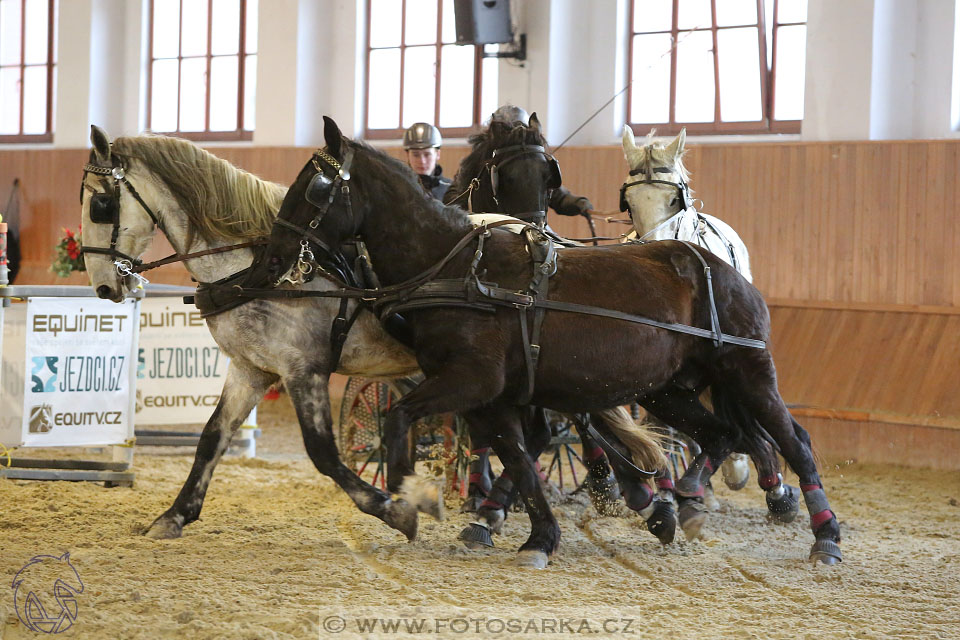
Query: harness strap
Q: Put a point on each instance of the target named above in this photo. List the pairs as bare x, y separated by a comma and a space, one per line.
178, 257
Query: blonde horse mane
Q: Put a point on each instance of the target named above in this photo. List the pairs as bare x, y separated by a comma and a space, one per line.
220, 200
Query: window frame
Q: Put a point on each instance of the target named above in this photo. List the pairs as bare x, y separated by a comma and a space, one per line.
766, 125
237, 135
447, 132
50, 64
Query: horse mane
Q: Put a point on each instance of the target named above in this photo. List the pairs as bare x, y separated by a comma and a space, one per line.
220, 200
655, 154
453, 215
496, 135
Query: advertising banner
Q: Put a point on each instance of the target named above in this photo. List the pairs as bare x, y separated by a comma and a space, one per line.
13, 320
78, 387
180, 369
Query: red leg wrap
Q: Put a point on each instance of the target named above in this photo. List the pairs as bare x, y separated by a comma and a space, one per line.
769, 482
665, 483
819, 518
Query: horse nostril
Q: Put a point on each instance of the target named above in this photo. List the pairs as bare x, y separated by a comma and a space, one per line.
103, 291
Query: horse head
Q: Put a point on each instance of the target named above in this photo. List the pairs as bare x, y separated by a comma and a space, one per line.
656, 187
116, 229
508, 171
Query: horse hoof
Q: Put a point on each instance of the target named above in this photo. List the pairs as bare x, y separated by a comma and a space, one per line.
493, 518
471, 504
784, 507
663, 522
604, 494
402, 516
692, 517
476, 536
425, 495
164, 528
825, 551
532, 559
736, 471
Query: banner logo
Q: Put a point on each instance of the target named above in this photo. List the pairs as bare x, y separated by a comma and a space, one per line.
41, 418
45, 594
43, 376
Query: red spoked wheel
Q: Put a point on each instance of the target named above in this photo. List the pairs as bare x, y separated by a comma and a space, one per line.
365, 405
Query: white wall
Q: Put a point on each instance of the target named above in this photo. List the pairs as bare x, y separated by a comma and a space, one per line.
876, 69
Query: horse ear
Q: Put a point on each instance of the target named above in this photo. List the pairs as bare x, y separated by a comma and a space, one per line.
332, 135
630, 149
675, 149
535, 122
100, 142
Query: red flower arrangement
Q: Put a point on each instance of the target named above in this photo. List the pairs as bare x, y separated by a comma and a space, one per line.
68, 257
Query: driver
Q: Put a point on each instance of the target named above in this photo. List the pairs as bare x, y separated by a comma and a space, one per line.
561, 200
422, 143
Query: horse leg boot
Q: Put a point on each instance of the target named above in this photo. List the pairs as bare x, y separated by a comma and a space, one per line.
436, 394
243, 388
751, 378
493, 511
637, 492
312, 403
783, 501
503, 423
601, 484
480, 479
681, 408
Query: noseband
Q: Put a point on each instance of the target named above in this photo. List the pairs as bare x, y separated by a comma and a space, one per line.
683, 190
105, 209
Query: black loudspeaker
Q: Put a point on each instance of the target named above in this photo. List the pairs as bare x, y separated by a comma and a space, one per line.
483, 21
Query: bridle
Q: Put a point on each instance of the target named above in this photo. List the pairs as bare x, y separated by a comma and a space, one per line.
502, 157
105, 209
683, 190
321, 193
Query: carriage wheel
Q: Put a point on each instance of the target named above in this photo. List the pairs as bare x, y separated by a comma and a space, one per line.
362, 414
566, 466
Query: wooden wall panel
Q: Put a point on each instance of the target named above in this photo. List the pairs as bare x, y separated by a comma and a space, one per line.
854, 243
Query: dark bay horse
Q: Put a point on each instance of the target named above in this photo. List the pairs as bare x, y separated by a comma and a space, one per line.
476, 361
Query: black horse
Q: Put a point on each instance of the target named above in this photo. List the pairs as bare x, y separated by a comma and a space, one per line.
476, 358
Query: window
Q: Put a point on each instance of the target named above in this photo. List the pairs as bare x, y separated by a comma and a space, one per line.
717, 66
416, 74
28, 53
203, 68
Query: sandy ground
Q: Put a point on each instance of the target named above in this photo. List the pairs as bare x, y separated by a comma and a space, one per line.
281, 553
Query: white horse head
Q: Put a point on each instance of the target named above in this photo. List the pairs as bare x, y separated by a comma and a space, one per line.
197, 199
651, 204
657, 196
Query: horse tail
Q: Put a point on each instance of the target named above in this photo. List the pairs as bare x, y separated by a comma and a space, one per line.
734, 413
645, 446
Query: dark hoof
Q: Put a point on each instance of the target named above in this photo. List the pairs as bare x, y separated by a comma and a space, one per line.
663, 521
476, 536
825, 551
604, 494
736, 471
785, 507
692, 517
471, 504
402, 516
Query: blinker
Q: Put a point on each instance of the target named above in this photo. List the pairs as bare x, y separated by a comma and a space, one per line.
318, 190
103, 206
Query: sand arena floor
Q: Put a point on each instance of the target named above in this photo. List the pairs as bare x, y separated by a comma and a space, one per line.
280, 549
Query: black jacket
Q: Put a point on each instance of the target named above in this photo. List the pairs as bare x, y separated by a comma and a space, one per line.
567, 204
437, 184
